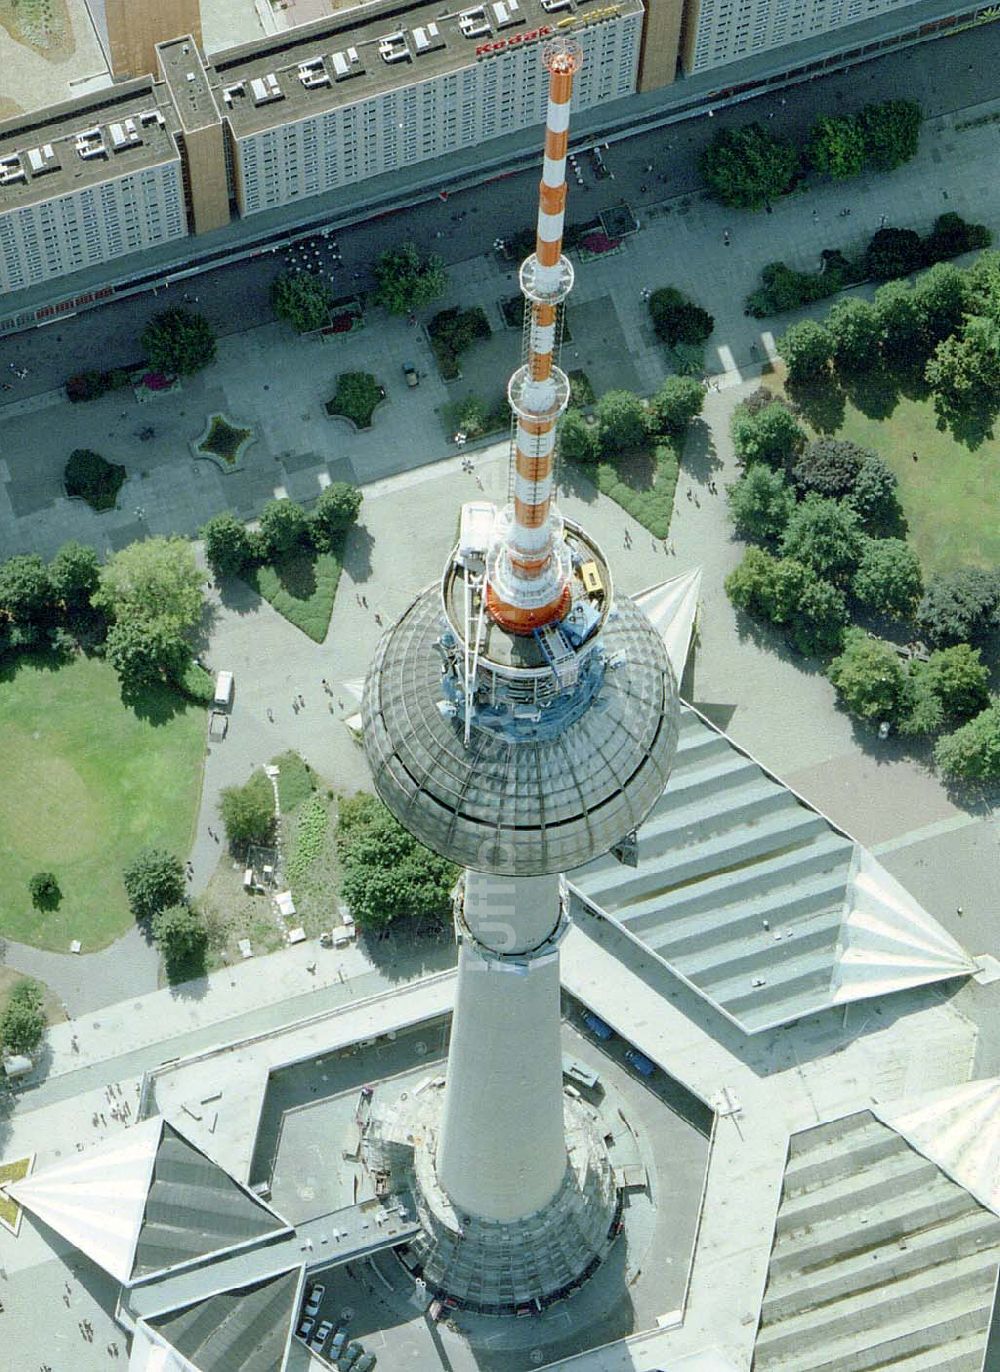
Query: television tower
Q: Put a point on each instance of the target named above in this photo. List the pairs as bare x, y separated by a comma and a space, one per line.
519, 719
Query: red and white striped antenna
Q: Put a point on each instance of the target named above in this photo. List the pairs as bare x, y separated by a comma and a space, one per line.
529, 567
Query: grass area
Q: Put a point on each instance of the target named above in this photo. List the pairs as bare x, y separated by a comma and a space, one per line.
302, 587
356, 397
52, 1005
223, 439
11, 1171
87, 783
296, 780
312, 867
950, 496
641, 483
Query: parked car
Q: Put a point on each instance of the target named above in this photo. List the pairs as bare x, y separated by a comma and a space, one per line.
365, 1363
351, 1354
640, 1062
337, 1346
314, 1300
320, 1337
410, 372
305, 1329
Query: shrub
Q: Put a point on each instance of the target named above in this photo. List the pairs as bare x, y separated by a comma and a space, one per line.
829, 466
23, 1022
825, 535
621, 423
856, 331
770, 434
311, 826
891, 132
767, 587
676, 319
836, 147
960, 606
356, 396
180, 933
888, 579
91, 385
676, 403
451, 332
868, 677
283, 526
197, 684
820, 619
88, 476
25, 589
760, 503
407, 281
153, 880
748, 166
303, 299
951, 236
44, 890
74, 573
959, 680
577, 438
388, 875
227, 544
248, 811
807, 349
333, 514
874, 496
972, 753
892, 253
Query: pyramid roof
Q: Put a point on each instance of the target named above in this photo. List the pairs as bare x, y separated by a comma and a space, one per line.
671, 607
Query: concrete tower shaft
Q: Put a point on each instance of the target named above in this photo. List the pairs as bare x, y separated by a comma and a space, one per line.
528, 583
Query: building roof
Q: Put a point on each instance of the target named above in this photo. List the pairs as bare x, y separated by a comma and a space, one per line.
66, 148
672, 607
360, 53
248, 1328
878, 1259
757, 900
144, 1202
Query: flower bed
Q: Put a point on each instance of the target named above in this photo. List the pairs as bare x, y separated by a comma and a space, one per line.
224, 440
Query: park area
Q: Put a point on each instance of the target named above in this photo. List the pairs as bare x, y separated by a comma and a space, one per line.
89, 781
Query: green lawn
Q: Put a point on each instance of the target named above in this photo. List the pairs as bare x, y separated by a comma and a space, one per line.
302, 587
643, 484
950, 496
88, 782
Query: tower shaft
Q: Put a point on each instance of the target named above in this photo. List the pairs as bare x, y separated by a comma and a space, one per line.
502, 1148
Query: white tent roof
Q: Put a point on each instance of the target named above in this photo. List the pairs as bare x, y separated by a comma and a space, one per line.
151, 1353
887, 941
958, 1128
671, 607
96, 1199
355, 688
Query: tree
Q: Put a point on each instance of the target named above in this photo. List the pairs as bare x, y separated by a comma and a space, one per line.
44, 891
747, 167
760, 503
972, 753
807, 349
622, 425
856, 330
178, 342
180, 934
23, 1022
155, 580
868, 677
941, 295
93, 479
333, 514
901, 322
836, 147
891, 132
406, 281
25, 589
820, 619
959, 680
145, 652
303, 299
874, 496
960, 606
283, 526
893, 253
387, 874
921, 712
248, 811
829, 466
767, 587
577, 438
825, 535
964, 371
677, 319
153, 880
676, 403
74, 573
888, 579
772, 434
228, 546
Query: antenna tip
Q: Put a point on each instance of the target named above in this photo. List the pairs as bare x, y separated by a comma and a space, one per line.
562, 55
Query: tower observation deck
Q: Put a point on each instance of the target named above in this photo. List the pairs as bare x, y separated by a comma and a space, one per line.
520, 719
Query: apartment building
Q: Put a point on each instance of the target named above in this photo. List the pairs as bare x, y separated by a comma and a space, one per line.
88, 181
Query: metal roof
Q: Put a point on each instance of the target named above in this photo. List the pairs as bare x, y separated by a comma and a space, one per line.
879, 1260
248, 1328
758, 901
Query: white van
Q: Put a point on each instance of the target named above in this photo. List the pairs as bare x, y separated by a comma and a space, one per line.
224, 685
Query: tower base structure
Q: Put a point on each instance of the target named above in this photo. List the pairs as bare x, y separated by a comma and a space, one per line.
496, 1267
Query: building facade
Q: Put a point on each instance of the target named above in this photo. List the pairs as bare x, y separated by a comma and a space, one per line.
717, 32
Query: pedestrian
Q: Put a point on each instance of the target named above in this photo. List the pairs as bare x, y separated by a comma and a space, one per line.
210, 834
688, 493
914, 456
378, 617
959, 910
725, 237
364, 601
270, 714
302, 700
295, 704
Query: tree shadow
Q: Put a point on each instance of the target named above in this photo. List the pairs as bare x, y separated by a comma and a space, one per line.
239, 594
394, 951
187, 976
875, 393
637, 469
698, 454
820, 403
971, 429
356, 554
577, 481
155, 704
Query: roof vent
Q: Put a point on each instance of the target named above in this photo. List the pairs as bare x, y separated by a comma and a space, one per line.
124, 135
42, 160
313, 73
346, 64
11, 170
90, 144
427, 38
265, 89
394, 48
474, 23
506, 13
